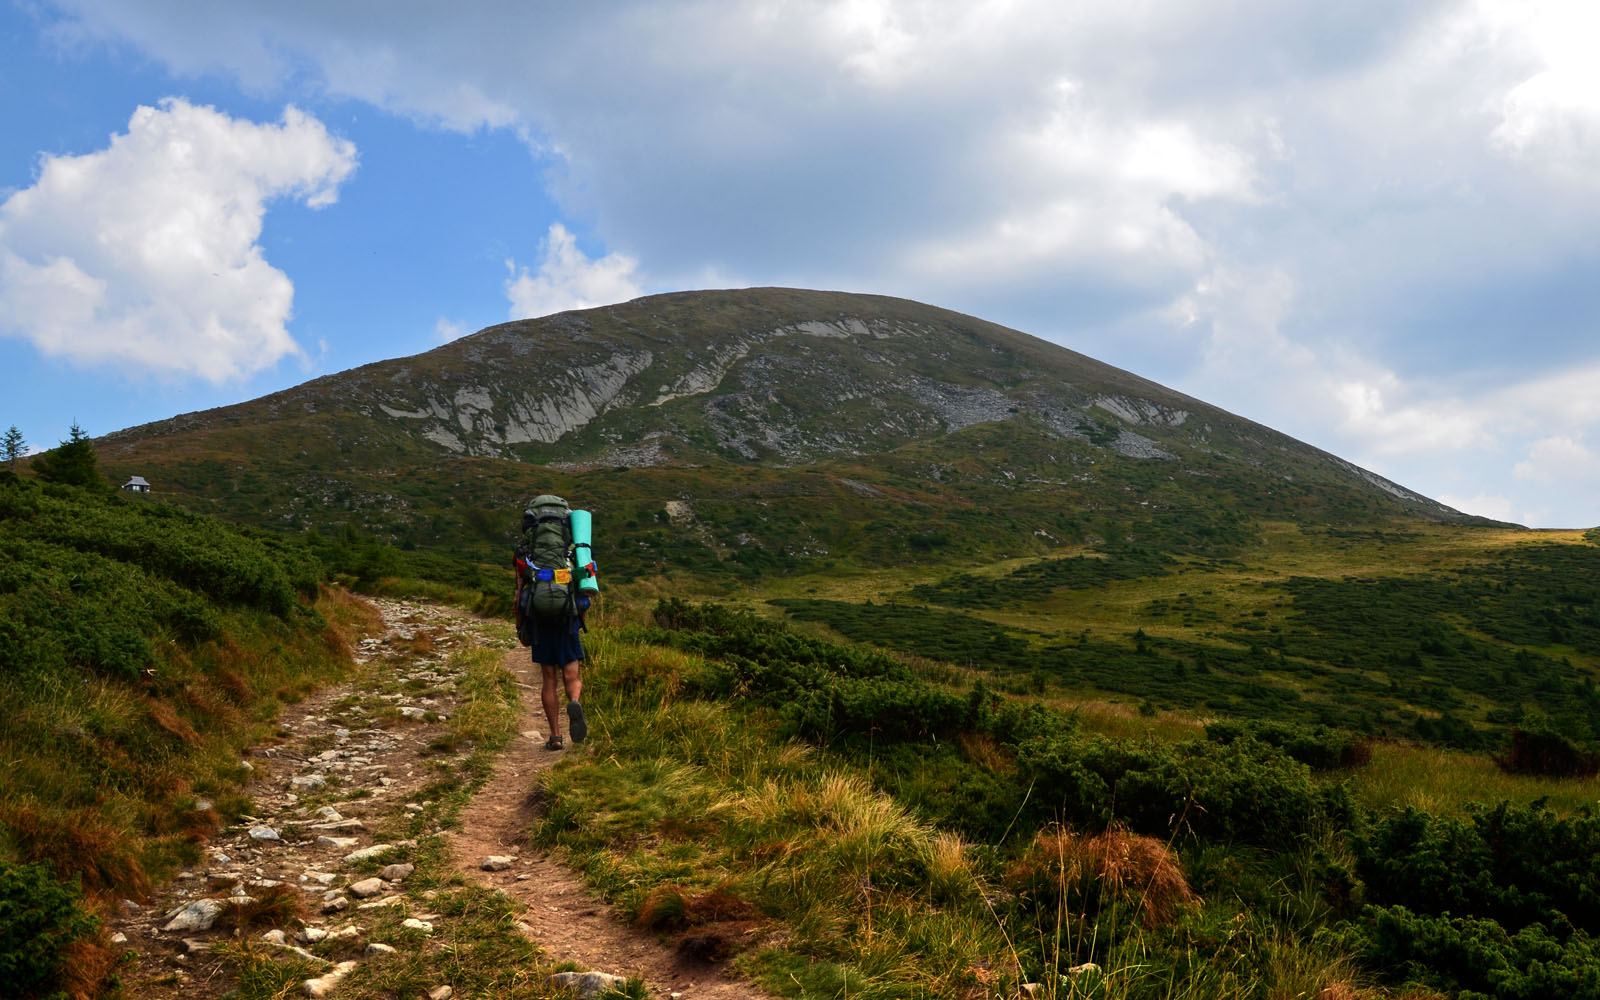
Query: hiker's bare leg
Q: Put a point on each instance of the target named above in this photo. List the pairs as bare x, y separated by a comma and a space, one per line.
573, 682
550, 698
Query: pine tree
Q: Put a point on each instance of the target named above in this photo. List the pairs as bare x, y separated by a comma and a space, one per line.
74, 462
12, 447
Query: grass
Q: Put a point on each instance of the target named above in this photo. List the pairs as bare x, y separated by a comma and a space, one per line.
1439, 780
855, 896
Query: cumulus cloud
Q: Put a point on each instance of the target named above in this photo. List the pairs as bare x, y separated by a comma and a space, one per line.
1551, 119
568, 278
447, 330
145, 253
1559, 459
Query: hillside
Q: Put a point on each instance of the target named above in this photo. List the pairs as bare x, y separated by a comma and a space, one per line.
753, 411
929, 483
757, 377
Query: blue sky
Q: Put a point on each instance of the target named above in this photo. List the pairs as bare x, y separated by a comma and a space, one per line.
1372, 225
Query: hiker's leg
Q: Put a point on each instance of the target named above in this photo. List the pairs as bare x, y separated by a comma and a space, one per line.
576, 724
550, 698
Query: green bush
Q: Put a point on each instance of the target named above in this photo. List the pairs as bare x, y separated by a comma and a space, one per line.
1320, 748
91, 581
1518, 866
1476, 957
39, 918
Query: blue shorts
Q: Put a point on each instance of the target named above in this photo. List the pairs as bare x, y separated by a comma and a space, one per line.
556, 642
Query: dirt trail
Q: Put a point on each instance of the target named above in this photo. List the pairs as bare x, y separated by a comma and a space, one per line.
350, 760
563, 916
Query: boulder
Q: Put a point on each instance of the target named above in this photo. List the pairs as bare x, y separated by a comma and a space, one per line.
200, 915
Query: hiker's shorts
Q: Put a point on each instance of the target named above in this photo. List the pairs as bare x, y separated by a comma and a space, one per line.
557, 642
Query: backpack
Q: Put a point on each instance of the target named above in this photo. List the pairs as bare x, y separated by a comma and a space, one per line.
544, 552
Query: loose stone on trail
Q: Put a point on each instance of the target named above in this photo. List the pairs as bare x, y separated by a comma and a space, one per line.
586, 984
199, 915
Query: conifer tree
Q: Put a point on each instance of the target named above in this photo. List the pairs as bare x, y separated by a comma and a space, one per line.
74, 462
12, 447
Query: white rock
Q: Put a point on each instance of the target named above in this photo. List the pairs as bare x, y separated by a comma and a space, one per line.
342, 824
311, 935
412, 923
199, 915
263, 833
275, 936
324, 984
349, 932
324, 878
385, 901
329, 814
309, 782
367, 853
195, 946
367, 888
441, 993
336, 905
376, 948
586, 984
396, 873
412, 712
339, 843
497, 863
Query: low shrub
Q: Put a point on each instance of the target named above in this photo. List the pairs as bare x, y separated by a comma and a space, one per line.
40, 919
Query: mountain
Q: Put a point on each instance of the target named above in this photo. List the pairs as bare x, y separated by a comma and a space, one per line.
768, 377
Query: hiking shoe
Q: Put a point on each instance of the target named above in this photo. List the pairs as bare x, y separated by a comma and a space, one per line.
575, 723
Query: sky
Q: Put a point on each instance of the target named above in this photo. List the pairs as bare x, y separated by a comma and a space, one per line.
1373, 225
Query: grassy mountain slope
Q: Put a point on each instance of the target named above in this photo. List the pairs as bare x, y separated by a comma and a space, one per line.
141, 647
1077, 530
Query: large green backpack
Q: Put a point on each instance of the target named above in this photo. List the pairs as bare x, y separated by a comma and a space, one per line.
545, 554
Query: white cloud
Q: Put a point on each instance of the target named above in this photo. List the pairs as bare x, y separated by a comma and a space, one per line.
1498, 508
1551, 119
1561, 458
1413, 426
568, 279
1091, 190
447, 330
145, 253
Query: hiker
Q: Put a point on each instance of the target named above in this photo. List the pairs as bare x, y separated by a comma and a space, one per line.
550, 606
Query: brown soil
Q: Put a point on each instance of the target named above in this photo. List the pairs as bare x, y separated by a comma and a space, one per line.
563, 916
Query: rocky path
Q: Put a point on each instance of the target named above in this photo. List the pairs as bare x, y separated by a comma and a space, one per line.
352, 767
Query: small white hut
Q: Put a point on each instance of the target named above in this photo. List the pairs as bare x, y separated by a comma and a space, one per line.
137, 485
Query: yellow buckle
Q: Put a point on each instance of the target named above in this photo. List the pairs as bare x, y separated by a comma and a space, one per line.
563, 576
